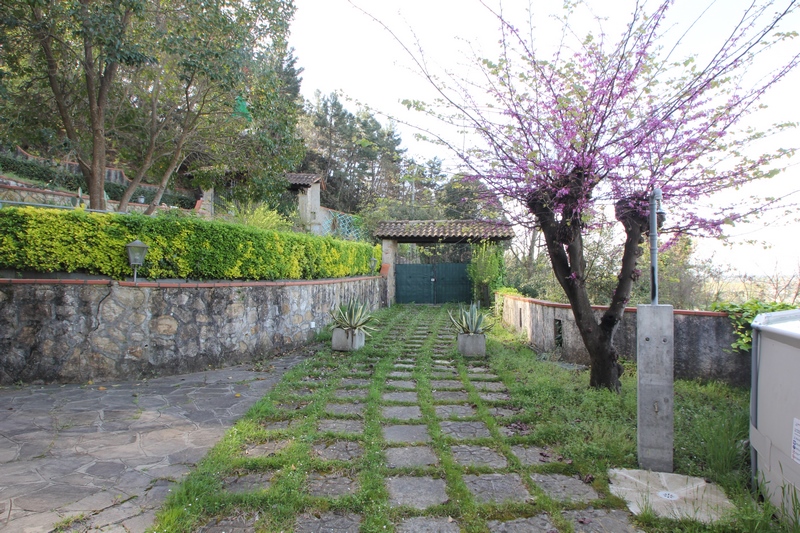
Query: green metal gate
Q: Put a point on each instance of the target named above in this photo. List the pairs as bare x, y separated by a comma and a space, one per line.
432, 284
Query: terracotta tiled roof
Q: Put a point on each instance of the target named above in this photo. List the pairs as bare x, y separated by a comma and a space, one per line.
444, 230
303, 180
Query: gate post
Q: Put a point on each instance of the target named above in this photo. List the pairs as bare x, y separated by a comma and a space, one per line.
388, 259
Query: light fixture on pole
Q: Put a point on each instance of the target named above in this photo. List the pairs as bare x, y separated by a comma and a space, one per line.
136, 252
372, 263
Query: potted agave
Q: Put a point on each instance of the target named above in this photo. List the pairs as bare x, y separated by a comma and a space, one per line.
470, 325
350, 326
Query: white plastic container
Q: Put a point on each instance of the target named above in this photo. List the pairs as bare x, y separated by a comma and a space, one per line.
775, 409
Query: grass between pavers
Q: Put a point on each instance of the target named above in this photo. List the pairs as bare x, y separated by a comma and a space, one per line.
586, 432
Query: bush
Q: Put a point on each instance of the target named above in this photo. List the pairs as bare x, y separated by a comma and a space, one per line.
49, 240
115, 192
742, 316
52, 176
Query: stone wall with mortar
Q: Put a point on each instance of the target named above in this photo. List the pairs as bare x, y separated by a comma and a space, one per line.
702, 339
69, 330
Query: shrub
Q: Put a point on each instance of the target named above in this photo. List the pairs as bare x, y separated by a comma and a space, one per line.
53, 176
50, 175
48, 240
742, 316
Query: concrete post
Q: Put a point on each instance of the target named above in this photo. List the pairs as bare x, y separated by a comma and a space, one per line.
388, 259
655, 352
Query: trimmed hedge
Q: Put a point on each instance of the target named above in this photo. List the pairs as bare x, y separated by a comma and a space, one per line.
52, 240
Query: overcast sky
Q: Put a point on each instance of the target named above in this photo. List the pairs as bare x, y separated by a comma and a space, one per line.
342, 49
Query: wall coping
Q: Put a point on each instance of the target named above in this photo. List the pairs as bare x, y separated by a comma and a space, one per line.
545, 303
183, 284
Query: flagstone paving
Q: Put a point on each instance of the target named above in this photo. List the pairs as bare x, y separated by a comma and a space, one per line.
113, 451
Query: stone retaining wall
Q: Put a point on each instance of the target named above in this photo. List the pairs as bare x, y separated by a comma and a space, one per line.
71, 330
702, 339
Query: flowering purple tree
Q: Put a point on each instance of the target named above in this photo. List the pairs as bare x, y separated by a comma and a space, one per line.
605, 123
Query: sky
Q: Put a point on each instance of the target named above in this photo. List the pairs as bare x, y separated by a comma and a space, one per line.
342, 48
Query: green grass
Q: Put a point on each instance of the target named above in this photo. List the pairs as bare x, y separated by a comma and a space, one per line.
589, 430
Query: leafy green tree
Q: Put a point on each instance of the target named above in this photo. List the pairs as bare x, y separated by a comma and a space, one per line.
359, 158
148, 77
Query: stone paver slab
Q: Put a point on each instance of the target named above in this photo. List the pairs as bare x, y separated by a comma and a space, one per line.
427, 524
328, 523
404, 412
455, 411
401, 384
237, 524
400, 375
333, 485
464, 430
495, 386
497, 488
266, 449
481, 375
340, 450
502, 412
600, 521
494, 396
354, 382
443, 384
351, 393
416, 492
532, 455
406, 433
400, 396
410, 457
467, 455
451, 396
340, 426
535, 524
356, 408
565, 488
248, 482
277, 425
516, 429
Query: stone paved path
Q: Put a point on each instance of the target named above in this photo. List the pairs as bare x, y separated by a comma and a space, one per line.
112, 451
441, 428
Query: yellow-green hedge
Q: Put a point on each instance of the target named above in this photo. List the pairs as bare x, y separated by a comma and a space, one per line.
51, 240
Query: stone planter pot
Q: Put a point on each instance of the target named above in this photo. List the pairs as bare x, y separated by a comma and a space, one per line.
347, 340
472, 345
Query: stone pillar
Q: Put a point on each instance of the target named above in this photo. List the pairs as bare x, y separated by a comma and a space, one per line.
655, 361
389, 256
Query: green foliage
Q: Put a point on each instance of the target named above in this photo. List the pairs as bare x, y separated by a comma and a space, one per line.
47, 240
54, 177
469, 320
486, 270
353, 315
50, 175
258, 216
742, 316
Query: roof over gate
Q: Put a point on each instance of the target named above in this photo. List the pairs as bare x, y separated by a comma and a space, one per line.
450, 231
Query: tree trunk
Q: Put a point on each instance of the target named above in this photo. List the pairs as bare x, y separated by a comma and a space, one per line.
564, 242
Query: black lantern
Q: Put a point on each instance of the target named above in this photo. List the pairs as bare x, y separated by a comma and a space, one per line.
136, 252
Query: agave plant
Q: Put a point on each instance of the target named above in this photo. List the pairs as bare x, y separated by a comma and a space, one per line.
354, 316
469, 321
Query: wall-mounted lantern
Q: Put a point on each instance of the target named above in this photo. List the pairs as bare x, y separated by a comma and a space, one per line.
136, 252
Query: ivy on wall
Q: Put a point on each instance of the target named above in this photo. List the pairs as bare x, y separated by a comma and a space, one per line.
53, 240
